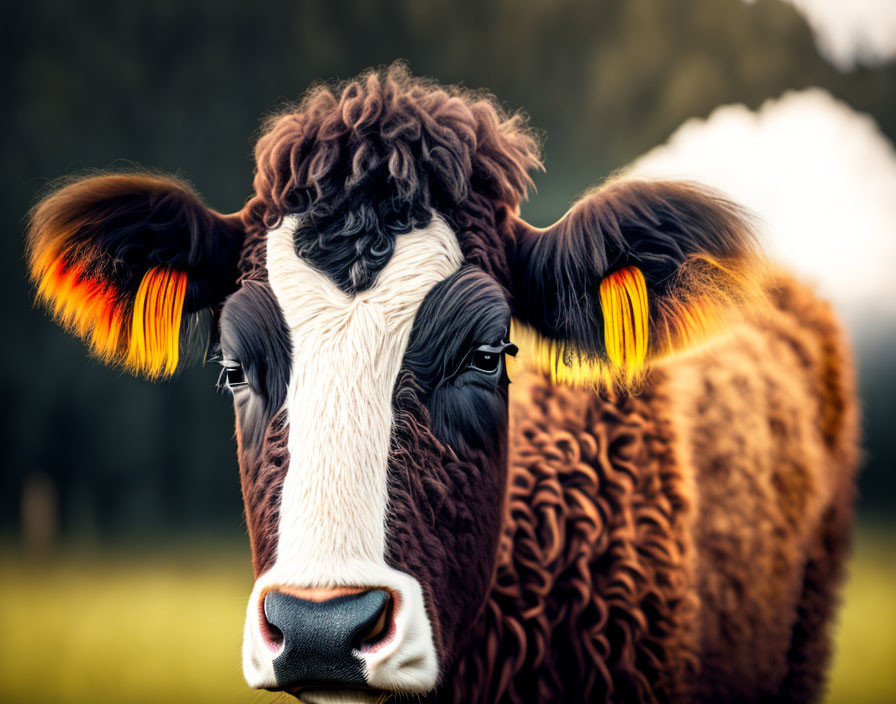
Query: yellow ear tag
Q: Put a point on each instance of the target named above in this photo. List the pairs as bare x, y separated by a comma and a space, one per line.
623, 300
155, 323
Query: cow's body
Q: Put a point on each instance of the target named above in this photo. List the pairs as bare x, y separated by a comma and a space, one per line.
689, 539
656, 510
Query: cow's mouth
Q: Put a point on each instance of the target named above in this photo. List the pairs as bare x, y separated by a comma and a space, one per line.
340, 695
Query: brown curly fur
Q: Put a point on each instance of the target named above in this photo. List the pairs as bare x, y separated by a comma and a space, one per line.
386, 116
451, 148
442, 524
682, 545
262, 472
375, 157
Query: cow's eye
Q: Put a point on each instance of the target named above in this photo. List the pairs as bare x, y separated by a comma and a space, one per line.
488, 358
232, 376
485, 361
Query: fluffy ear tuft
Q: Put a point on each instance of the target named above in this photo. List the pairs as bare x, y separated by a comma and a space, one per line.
130, 262
636, 271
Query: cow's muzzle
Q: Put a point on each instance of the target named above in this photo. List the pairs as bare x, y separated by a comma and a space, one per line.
315, 633
317, 641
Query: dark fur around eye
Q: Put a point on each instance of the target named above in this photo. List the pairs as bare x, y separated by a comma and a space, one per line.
254, 333
462, 312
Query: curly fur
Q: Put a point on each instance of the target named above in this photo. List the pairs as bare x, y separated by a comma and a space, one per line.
376, 161
262, 471
442, 525
682, 545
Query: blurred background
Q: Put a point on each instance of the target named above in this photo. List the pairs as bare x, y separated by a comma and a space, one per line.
124, 563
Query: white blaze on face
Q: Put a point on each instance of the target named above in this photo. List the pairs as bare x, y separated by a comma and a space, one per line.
347, 352
346, 356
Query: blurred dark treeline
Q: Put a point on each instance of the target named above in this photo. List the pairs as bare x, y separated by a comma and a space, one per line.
182, 86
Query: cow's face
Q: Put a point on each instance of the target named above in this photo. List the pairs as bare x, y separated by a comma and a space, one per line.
372, 432
362, 302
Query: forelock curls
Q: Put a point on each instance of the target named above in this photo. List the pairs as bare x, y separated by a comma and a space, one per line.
373, 158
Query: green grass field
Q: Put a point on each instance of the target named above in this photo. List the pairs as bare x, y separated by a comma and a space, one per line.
166, 627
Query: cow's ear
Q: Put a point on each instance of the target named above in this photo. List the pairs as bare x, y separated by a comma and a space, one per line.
133, 263
635, 271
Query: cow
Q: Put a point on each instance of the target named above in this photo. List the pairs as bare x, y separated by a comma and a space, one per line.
658, 507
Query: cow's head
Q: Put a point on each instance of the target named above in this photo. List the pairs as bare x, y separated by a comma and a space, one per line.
361, 305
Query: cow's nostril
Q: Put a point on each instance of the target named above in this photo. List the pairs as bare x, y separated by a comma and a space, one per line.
272, 636
380, 630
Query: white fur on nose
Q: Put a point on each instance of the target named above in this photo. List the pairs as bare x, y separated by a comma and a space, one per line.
347, 352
